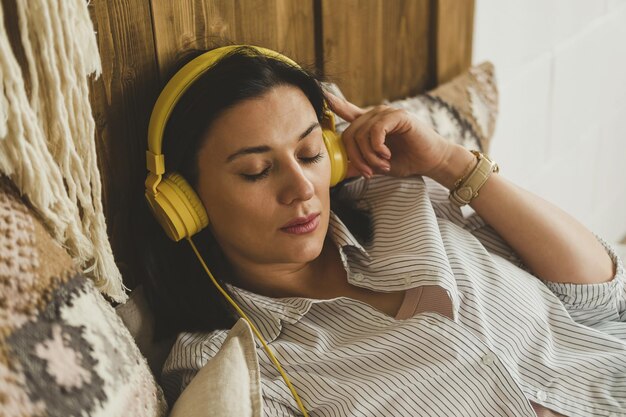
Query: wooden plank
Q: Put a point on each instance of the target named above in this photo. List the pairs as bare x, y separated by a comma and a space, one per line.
121, 100
353, 48
454, 26
283, 25
407, 25
381, 51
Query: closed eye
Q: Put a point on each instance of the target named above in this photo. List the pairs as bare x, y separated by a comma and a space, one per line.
263, 174
314, 159
256, 177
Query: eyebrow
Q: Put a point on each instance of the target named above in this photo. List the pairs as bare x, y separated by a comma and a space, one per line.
265, 148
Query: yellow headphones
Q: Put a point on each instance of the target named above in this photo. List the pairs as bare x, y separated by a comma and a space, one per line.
175, 204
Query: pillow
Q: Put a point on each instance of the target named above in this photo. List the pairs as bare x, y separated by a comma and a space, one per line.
136, 315
229, 384
463, 110
63, 349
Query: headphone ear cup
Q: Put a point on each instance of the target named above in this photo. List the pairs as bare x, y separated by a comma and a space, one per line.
337, 154
177, 207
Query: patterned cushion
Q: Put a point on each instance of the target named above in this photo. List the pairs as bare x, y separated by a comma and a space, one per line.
463, 110
63, 349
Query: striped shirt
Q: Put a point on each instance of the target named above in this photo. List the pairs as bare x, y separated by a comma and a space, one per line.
510, 339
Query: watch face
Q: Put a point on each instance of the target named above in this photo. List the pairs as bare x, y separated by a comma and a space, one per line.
464, 194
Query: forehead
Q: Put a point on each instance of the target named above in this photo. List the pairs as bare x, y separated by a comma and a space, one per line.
279, 115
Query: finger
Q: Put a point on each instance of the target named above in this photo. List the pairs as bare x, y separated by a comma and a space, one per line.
378, 136
362, 120
344, 109
353, 149
370, 138
356, 160
390, 122
352, 171
371, 157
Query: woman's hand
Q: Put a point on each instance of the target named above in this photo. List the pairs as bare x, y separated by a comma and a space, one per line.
537, 230
385, 140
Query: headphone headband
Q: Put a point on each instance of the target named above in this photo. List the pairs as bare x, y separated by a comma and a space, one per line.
177, 86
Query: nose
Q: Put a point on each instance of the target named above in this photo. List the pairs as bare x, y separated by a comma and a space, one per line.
296, 185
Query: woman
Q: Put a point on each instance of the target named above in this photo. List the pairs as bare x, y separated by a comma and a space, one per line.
423, 312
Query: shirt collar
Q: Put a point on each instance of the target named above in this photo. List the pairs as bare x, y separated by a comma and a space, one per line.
342, 236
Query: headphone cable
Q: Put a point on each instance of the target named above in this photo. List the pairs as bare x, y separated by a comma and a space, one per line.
254, 329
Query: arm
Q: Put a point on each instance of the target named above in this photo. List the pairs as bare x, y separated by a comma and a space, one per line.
554, 245
551, 243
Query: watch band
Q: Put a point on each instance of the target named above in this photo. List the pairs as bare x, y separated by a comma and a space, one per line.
466, 188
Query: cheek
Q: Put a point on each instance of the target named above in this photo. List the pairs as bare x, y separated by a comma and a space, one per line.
324, 172
237, 207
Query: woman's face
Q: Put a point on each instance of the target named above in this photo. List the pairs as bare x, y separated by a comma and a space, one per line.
263, 164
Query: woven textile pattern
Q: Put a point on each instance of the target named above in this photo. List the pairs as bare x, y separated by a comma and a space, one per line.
63, 349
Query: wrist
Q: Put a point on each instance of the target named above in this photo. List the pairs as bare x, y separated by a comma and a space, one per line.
455, 163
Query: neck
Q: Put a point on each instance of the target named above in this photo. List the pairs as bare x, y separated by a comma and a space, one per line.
322, 278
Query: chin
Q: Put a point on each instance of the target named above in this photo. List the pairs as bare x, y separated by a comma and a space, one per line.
304, 249
309, 251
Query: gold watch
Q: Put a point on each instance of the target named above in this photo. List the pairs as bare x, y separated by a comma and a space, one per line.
466, 188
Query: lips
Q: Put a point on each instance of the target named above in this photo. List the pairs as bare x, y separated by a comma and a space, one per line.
300, 220
302, 224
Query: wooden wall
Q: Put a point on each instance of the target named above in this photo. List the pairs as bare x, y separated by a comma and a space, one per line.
373, 49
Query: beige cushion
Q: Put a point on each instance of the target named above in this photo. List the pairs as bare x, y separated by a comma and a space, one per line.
229, 384
472, 98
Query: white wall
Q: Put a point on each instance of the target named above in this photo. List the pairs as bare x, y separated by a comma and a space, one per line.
561, 131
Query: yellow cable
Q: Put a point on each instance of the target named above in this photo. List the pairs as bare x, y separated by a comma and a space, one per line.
256, 332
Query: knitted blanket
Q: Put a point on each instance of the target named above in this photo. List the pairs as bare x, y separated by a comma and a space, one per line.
63, 349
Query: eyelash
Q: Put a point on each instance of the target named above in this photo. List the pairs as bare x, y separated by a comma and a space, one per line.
252, 178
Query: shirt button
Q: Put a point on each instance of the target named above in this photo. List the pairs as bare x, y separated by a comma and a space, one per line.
488, 359
358, 276
541, 395
407, 279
